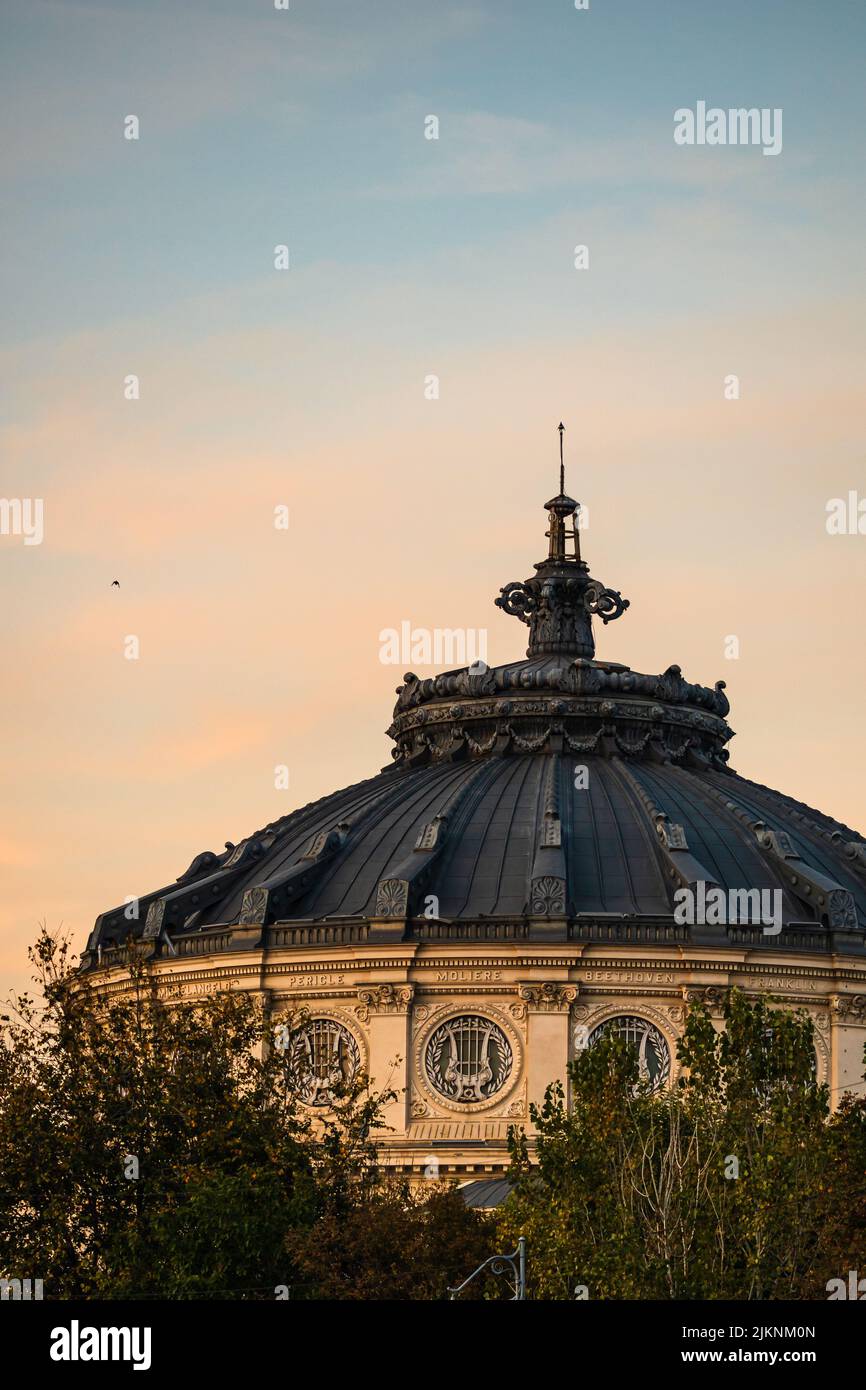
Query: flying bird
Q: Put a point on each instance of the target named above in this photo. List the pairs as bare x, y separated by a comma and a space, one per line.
115, 582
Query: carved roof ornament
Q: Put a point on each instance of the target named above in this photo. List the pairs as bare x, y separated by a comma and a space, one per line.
560, 600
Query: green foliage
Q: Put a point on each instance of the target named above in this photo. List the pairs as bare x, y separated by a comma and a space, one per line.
398, 1244
151, 1148
146, 1149
633, 1195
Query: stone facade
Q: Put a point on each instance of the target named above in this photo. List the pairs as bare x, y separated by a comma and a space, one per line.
544, 1000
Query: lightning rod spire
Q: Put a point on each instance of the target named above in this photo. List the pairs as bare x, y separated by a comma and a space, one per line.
561, 463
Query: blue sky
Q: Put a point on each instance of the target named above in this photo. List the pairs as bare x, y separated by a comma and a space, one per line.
261, 126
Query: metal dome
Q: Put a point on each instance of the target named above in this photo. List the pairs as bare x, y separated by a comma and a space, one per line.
557, 798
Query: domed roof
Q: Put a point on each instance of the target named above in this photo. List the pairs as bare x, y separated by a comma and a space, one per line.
557, 798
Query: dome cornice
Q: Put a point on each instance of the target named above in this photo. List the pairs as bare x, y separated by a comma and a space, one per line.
584, 706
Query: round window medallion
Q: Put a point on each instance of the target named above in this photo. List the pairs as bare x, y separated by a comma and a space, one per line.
468, 1059
323, 1058
653, 1053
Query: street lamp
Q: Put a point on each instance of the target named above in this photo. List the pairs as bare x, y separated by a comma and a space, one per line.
513, 1266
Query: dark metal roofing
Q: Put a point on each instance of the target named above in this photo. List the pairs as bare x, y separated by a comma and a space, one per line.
554, 798
485, 1193
611, 858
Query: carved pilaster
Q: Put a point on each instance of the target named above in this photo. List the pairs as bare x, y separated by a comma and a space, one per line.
383, 999
550, 997
712, 997
848, 1008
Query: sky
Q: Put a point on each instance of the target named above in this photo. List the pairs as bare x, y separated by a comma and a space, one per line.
309, 388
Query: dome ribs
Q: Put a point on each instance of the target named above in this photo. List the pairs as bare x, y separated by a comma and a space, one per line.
486, 871
369, 790
172, 910
267, 899
648, 879
360, 807
821, 830
825, 897
682, 868
200, 901
733, 860
399, 890
117, 925
349, 889
618, 865
807, 814
548, 879
274, 895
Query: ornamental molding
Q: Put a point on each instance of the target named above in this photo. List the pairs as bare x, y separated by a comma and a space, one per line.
603, 727
392, 897
154, 921
305, 993
547, 896
453, 1129
518, 1109
254, 908
593, 708
323, 1056
468, 1059
842, 910
285, 960
809, 982
822, 1047
428, 1021
383, 999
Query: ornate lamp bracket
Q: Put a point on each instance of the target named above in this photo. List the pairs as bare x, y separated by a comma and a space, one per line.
513, 1266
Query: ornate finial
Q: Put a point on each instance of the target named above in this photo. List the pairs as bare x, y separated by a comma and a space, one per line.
559, 509
558, 602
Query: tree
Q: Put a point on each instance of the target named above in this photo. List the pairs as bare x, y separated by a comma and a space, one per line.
394, 1242
151, 1147
146, 1148
738, 1184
